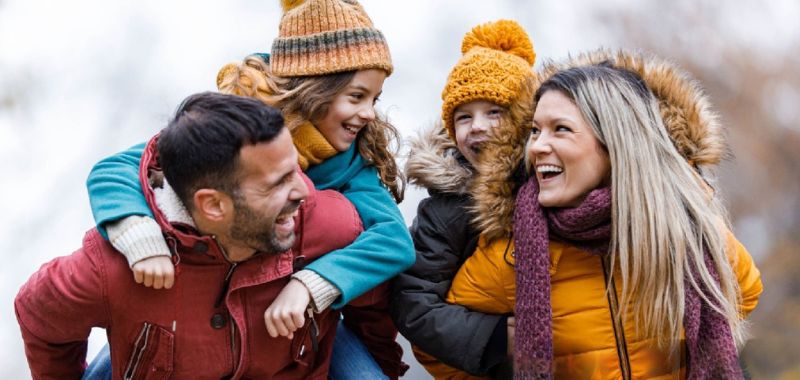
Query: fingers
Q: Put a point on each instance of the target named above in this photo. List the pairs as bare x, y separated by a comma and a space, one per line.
138, 275
169, 277
155, 272
283, 322
158, 278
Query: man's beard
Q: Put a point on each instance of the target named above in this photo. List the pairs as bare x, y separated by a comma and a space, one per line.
258, 231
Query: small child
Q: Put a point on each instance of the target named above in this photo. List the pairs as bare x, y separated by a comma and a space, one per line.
325, 72
487, 90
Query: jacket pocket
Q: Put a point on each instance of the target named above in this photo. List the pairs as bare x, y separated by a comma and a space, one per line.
152, 354
306, 342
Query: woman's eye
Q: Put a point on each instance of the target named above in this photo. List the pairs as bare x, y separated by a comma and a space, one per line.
535, 132
377, 99
561, 128
357, 96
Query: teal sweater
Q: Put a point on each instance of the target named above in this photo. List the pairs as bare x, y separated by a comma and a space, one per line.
382, 251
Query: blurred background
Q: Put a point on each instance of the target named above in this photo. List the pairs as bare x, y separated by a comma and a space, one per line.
83, 79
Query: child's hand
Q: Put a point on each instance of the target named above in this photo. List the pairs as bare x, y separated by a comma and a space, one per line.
156, 272
287, 313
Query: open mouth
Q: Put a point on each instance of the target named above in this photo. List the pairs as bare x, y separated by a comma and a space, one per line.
476, 146
285, 222
549, 171
351, 129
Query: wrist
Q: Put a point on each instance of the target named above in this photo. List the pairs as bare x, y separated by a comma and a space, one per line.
322, 291
137, 238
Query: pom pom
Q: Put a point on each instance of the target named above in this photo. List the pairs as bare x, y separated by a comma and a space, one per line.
503, 35
225, 71
288, 5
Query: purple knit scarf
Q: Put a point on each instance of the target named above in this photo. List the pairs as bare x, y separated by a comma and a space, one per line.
709, 343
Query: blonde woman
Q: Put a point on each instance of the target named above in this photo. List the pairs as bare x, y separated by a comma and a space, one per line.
625, 266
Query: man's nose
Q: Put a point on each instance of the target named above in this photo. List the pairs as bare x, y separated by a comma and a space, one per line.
299, 189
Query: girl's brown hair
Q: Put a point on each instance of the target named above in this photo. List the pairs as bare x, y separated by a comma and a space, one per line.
302, 99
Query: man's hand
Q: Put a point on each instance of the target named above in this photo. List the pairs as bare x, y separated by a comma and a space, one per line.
156, 272
287, 313
512, 323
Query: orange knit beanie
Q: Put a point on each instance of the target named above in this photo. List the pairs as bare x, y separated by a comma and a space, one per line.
497, 57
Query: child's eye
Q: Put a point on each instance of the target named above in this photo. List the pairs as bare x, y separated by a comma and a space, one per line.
462, 117
496, 112
377, 99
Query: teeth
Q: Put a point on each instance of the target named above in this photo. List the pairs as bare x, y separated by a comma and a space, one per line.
549, 169
284, 218
351, 129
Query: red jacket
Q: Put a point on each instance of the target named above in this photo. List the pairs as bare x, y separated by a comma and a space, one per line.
205, 327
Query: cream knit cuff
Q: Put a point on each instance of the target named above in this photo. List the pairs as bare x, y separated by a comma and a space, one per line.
322, 291
137, 238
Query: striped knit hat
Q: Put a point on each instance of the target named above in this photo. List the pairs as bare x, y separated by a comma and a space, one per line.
318, 37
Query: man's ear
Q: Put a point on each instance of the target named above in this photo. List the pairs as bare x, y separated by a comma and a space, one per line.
212, 205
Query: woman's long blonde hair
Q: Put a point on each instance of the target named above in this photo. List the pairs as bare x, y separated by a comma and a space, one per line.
664, 216
302, 99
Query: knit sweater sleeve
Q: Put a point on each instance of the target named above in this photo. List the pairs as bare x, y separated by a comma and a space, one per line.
114, 188
382, 251
453, 334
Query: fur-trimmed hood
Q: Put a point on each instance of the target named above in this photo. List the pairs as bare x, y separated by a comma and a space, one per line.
693, 126
435, 163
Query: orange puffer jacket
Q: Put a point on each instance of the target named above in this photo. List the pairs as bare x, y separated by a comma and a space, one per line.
585, 339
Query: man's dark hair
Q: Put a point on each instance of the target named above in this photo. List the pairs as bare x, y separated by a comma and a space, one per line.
200, 146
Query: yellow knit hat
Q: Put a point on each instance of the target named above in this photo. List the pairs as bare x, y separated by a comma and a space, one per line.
497, 57
318, 37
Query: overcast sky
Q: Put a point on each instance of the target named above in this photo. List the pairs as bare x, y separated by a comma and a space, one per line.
82, 79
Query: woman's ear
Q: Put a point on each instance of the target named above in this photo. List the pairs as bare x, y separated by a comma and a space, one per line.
212, 205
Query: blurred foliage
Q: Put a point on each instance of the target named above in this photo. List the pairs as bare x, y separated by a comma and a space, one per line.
756, 90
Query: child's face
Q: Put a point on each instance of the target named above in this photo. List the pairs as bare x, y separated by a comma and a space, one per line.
352, 109
472, 121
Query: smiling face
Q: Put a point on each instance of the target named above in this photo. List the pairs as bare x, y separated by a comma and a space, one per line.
472, 121
568, 159
352, 109
269, 194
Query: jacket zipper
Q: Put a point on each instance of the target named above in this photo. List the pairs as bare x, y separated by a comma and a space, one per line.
616, 323
220, 298
133, 363
234, 354
314, 331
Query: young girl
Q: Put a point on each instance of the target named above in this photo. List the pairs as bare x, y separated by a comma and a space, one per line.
325, 73
625, 267
487, 90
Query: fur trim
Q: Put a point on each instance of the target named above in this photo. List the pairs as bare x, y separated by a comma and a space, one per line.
693, 126
435, 163
495, 186
170, 204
